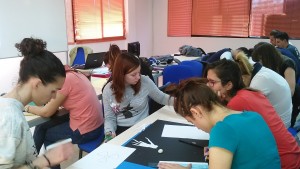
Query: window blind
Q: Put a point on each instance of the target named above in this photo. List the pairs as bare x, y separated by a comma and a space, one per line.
179, 17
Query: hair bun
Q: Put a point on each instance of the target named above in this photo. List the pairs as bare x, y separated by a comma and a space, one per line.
30, 47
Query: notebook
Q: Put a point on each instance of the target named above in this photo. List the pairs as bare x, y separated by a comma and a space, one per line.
94, 60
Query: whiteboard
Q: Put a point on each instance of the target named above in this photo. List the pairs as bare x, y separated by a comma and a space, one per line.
43, 19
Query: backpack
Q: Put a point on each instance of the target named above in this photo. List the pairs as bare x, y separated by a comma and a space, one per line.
191, 51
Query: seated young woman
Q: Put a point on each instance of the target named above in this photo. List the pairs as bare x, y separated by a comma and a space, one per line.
271, 84
125, 98
85, 121
271, 58
111, 56
41, 74
234, 135
225, 78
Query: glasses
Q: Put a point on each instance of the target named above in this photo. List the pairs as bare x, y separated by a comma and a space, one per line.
211, 83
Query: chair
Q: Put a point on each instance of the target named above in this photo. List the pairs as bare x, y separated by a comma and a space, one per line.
80, 57
175, 73
195, 65
292, 131
90, 146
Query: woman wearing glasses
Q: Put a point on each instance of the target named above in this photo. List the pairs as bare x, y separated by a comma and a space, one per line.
225, 78
271, 84
233, 134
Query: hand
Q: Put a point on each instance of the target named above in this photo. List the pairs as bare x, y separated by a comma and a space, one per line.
206, 154
221, 95
143, 144
172, 166
60, 153
108, 136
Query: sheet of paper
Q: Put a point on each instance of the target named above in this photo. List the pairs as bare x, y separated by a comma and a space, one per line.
101, 70
106, 156
191, 132
195, 165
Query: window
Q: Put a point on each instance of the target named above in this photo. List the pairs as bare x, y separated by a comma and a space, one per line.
95, 20
282, 15
237, 18
179, 17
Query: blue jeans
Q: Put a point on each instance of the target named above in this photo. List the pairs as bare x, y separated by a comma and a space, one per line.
59, 129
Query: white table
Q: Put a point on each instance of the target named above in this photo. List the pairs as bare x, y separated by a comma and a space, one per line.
166, 113
34, 120
183, 58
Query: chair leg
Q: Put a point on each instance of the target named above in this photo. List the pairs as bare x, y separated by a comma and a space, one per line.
80, 154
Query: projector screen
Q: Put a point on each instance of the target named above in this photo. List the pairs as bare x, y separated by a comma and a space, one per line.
43, 19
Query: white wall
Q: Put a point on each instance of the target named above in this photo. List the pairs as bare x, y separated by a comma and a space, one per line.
10, 71
165, 45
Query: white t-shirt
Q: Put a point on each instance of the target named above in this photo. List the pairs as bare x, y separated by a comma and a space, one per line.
277, 90
227, 55
16, 143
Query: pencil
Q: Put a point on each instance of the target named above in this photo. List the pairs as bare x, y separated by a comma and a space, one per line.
190, 143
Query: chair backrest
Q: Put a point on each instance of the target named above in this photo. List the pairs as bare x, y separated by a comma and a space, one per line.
80, 57
175, 73
195, 65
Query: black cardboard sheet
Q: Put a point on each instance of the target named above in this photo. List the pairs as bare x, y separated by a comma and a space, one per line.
173, 149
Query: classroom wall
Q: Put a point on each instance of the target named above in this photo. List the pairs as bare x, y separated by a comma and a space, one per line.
138, 10
10, 71
147, 23
164, 45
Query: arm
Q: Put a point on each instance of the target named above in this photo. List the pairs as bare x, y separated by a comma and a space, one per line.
156, 94
110, 123
290, 77
219, 158
49, 109
55, 157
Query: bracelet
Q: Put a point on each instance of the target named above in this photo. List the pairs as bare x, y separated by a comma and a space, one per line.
49, 164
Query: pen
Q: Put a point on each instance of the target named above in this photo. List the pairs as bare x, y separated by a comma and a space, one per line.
193, 143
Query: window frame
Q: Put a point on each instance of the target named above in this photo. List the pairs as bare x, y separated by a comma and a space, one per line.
71, 26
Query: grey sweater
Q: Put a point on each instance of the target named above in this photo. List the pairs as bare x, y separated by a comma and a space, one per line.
133, 108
